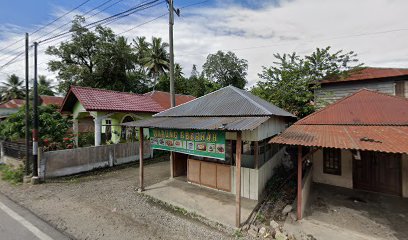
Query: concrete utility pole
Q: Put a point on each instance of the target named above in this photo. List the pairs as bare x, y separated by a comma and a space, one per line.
35, 118
27, 108
171, 23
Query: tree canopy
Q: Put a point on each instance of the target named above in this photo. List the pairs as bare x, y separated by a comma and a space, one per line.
290, 82
226, 69
12, 88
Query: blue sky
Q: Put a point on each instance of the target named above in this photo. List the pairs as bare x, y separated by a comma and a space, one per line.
376, 30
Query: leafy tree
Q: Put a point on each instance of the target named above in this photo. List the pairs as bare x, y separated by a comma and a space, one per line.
199, 85
53, 126
45, 86
97, 59
226, 69
290, 82
12, 88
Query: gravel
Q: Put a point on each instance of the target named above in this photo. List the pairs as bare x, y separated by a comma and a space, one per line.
106, 205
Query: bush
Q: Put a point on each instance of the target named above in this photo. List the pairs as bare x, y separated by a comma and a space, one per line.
13, 175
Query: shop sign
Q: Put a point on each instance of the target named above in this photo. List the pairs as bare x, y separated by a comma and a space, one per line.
204, 143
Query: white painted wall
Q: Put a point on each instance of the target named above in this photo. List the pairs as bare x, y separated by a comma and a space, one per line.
346, 178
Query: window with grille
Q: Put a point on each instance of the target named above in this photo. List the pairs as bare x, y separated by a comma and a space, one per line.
332, 161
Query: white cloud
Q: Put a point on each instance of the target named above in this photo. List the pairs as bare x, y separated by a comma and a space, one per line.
256, 34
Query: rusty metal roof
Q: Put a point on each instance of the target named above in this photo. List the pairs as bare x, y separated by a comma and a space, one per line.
370, 73
392, 139
366, 120
225, 102
201, 123
365, 107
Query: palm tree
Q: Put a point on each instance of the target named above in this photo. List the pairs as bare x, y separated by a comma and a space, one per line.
156, 60
141, 48
44, 86
12, 88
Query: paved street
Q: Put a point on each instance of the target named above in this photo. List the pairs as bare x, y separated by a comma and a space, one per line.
17, 223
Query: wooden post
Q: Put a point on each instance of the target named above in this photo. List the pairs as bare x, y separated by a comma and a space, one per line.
171, 164
238, 181
141, 177
299, 184
256, 154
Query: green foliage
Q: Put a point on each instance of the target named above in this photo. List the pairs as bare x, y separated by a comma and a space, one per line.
86, 139
13, 175
12, 88
45, 86
226, 69
53, 126
290, 82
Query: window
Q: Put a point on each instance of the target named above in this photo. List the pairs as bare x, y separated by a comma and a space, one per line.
400, 88
108, 122
332, 161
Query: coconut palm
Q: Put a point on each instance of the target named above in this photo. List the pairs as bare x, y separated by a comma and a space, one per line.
156, 60
12, 88
45, 86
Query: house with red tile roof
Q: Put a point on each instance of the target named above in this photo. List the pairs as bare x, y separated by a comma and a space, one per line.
103, 111
359, 142
393, 81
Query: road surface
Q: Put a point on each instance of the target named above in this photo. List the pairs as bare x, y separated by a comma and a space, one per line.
17, 223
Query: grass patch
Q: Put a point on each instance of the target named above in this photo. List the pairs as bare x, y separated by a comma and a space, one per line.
13, 175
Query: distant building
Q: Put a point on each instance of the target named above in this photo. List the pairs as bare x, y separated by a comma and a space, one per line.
392, 81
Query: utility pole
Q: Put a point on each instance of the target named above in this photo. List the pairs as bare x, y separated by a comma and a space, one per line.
171, 23
27, 109
35, 119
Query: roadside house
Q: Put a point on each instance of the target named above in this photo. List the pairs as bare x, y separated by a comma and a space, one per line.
393, 81
220, 141
101, 111
359, 142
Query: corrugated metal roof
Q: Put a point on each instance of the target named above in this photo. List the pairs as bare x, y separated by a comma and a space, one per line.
370, 73
392, 139
225, 102
364, 107
208, 123
366, 120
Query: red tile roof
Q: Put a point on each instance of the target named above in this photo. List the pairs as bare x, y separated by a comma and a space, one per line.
45, 100
365, 120
369, 73
105, 100
163, 98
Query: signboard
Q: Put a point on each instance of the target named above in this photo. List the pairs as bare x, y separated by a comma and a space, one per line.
204, 143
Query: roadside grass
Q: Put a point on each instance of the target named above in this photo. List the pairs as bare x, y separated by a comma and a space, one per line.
12, 175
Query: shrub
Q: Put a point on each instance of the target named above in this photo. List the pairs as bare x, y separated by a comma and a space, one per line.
13, 175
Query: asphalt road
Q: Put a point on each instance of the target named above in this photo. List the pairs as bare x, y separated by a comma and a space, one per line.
17, 223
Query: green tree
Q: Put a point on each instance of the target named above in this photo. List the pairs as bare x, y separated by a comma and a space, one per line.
53, 126
12, 88
97, 59
156, 58
45, 86
198, 85
226, 69
290, 82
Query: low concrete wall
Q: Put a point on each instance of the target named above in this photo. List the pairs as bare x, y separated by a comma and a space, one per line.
405, 175
253, 181
72, 161
306, 186
346, 178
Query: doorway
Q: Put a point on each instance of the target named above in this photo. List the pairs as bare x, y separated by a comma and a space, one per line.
378, 172
179, 164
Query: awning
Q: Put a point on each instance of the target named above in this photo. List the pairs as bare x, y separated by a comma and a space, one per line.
391, 139
201, 123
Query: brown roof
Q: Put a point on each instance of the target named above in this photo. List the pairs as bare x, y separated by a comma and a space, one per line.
45, 100
366, 120
94, 99
163, 98
370, 73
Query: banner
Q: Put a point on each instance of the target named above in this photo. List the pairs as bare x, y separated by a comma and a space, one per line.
204, 143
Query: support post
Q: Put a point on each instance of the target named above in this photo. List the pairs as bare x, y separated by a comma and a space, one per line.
98, 130
299, 184
75, 129
1, 151
238, 181
27, 109
171, 164
256, 154
171, 23
141, 172
35, 116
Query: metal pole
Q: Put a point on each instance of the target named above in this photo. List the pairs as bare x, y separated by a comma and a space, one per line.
171, 23
27, 109
141, 170
238, 181
35, 115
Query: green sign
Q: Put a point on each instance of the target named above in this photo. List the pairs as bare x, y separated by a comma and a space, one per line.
194, 142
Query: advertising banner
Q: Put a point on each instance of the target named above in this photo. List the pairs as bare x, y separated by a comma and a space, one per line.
204, 143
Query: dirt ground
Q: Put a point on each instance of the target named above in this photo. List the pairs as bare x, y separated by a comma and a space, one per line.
340, 213
105, 205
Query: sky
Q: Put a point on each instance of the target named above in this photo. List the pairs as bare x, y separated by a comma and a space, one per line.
254, 30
